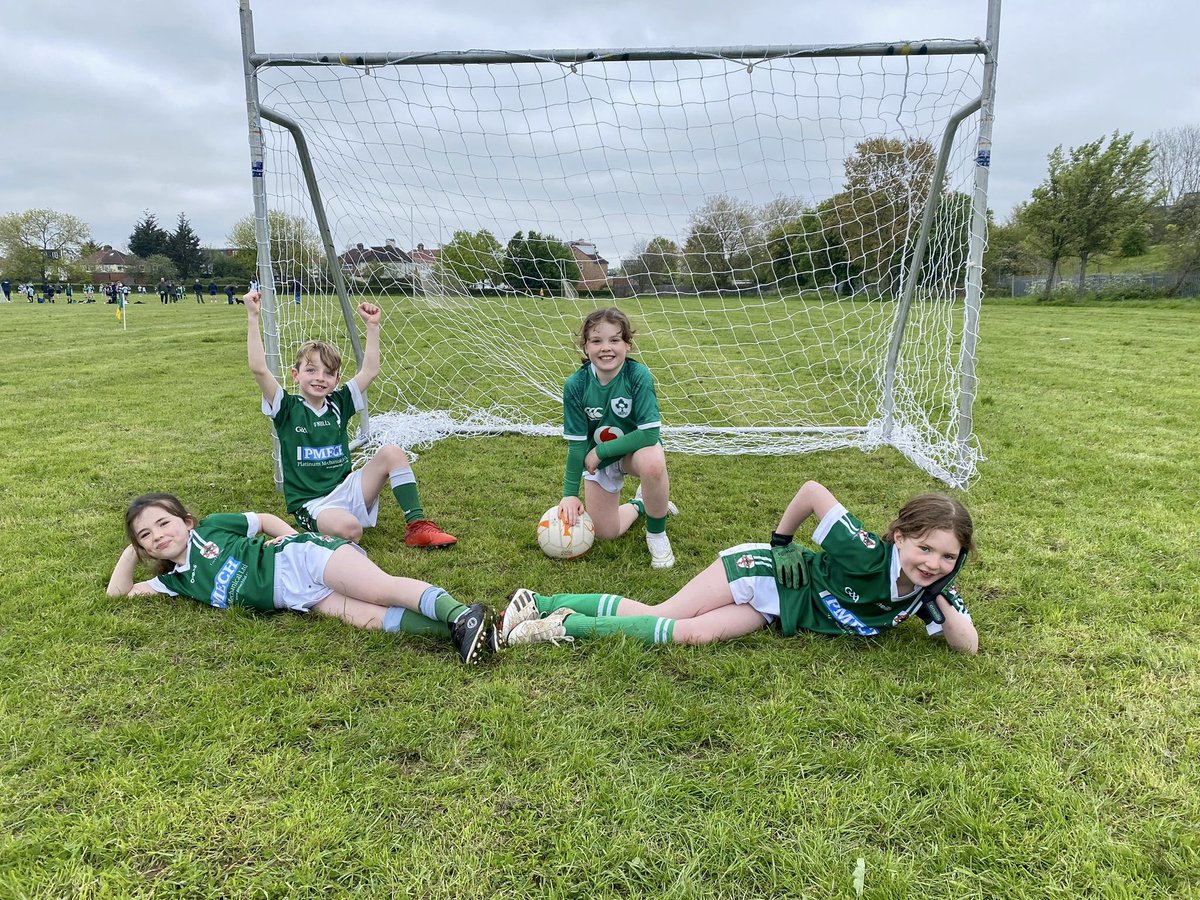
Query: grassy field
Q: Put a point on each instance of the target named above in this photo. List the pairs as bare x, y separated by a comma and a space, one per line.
159, 748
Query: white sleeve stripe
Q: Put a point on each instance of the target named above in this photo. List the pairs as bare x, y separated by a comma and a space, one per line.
356, 395
650, 425
827, 522
254, 524
575, 437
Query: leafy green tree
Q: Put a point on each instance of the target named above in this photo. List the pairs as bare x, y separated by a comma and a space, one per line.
238, 268
1008, 250
42, 245
538, 263
472, 258
1110, 191
295, 244
183, 248
657, 262
1048, 216
148, 237
159, 267
887, 183
802, 252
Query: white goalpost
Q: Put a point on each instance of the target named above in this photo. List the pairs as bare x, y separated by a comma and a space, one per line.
796, 232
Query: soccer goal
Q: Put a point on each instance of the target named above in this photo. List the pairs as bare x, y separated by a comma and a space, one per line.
797, 233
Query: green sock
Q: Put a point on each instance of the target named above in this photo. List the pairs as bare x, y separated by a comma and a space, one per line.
437, 604
649, 630
639, 505
405, 621
656, 524
587, 604
404, 488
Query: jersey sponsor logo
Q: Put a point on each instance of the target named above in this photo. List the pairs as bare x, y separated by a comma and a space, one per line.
867, 540
606, 433
220, 594
321, 423
844, 617
318, 454
593, 412
300, 429
850, 592
622, 406
209, 550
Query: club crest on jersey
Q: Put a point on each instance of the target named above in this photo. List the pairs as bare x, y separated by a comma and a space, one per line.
606, 433
622, 406
868, 541
209, 550
900, 617
746, 561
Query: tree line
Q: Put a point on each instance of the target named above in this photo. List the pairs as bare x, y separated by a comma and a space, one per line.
1110, 195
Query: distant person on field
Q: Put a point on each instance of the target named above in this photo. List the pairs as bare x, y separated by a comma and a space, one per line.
212, 289
162, 291
857, 584
6, 286
258, 561
229, 293
296, 289
611, 424
198, 288
313, 427
29, 291
70, 293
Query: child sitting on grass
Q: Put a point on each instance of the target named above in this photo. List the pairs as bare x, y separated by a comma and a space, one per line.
857, 584
313, 426
227, 560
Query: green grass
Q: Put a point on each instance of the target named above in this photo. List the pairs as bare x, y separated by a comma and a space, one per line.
158, 748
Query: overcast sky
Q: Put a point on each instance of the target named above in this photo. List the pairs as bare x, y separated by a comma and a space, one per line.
113, 108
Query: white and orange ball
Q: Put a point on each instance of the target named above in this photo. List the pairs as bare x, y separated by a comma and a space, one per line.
559, 540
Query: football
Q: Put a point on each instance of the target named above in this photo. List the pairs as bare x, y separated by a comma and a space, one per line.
559, 540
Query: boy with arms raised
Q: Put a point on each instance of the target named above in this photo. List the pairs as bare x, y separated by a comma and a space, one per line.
322, 492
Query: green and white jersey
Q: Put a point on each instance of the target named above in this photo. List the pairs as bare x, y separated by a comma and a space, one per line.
314, 444
851, 587
597, 413
230, 564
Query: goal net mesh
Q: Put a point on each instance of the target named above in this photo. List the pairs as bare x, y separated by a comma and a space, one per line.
756, 221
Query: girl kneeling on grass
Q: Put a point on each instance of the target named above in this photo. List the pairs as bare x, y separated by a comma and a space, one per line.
257, 560
857, 583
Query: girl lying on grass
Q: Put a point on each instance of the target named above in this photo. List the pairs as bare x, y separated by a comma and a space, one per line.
257, 560
857, 583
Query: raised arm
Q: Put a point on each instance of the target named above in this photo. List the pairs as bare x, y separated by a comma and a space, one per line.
121, 583
813, 498
371, 316
255, 354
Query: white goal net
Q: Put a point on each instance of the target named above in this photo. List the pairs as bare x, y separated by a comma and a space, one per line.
757, 219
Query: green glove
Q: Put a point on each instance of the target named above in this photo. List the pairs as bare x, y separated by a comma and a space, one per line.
790, 568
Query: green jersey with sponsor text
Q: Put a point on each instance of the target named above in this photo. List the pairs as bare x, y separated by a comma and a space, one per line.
851, 587
597, 413
230, 564
314, 445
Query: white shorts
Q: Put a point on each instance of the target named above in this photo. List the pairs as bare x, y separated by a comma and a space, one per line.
751, 577
348, 496
300, 575
611, 477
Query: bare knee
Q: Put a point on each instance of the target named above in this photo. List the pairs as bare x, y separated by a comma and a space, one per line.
393, 455
347, 528
606, 531
652, 463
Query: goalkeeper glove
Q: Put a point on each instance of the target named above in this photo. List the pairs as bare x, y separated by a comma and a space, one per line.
790, 568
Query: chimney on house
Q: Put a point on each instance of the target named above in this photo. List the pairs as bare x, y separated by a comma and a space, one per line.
390, 242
